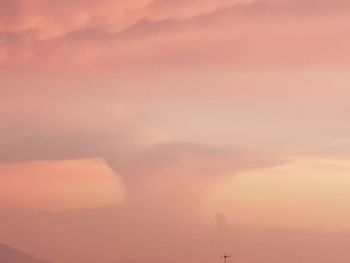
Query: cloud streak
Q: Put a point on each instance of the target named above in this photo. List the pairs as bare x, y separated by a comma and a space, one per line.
219, 32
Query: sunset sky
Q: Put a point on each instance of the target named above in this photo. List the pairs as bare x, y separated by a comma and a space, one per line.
171, 131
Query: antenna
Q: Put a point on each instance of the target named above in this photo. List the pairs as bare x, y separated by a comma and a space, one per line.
225, 257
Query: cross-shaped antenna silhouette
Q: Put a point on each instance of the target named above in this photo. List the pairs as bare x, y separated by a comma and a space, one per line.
225, 257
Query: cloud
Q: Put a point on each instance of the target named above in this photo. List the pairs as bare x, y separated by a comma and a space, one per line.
186, 161
165, 184
139, 32
157, 169
175, 96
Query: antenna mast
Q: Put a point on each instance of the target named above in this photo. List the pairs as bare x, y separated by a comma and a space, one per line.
225, 257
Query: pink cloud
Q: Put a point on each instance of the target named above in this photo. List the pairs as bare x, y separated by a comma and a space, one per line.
210, 32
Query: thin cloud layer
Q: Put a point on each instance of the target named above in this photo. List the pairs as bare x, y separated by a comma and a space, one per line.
139, 32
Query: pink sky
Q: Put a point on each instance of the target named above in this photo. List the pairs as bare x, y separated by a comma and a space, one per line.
175, 130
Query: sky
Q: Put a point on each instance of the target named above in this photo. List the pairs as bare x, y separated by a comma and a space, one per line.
171, 131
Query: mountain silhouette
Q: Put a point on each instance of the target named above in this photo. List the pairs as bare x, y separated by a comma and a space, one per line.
11, 255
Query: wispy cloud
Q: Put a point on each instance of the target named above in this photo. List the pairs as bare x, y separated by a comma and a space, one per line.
144, 32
